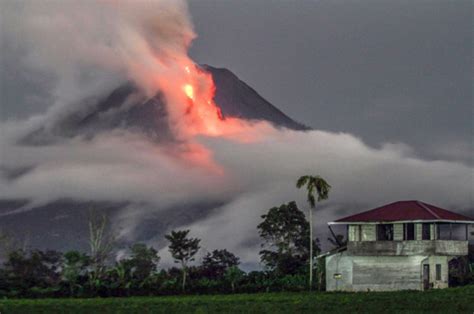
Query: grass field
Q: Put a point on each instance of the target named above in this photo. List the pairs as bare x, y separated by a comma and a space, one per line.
453, 300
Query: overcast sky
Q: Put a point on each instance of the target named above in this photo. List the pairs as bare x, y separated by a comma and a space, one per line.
396, 71
387, 71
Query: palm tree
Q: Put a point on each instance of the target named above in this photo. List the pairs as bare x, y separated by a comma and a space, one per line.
321, 187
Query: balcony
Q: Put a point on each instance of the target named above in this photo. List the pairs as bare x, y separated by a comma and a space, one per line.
407, 248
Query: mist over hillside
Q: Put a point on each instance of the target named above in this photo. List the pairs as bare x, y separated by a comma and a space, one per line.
117, 155
62, 223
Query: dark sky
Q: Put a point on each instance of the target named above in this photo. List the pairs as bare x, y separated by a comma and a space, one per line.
387, 71
398, 71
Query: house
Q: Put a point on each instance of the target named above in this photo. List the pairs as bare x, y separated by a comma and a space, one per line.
402, 245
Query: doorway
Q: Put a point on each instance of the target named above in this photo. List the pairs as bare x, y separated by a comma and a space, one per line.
426, 276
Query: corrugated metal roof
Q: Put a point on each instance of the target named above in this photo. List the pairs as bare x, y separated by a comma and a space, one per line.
405, 211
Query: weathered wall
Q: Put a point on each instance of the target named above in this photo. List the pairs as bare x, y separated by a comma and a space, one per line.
384, 273
433, 232
368, 233
443, 261
375, 273
418, 229
398, 232
353, 233
413, 247
373, 265
339, 263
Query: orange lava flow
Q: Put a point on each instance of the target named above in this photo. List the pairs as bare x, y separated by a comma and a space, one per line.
201, 116
189, 91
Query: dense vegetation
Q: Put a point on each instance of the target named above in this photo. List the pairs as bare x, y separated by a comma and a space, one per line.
284, 231
287, 249
453, 300
284, 255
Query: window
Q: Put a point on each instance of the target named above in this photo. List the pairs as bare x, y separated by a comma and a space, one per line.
438, 271
385, 232
409, 231
426, 232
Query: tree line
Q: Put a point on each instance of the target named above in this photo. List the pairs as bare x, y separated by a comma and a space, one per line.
287, 248
284, 231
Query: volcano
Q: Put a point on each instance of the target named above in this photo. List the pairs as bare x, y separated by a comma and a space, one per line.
62, 224
127, 108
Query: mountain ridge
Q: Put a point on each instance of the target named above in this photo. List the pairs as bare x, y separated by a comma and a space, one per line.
125, 107
62, 224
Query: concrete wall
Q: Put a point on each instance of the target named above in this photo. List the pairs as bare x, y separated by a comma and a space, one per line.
433, 232
413, 247
418, 230
368, 264
353, 233
385, 273
398, 232
369, 233
443, 261
339, 264
375, 273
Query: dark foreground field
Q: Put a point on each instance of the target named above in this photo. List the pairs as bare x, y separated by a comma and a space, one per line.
454, 300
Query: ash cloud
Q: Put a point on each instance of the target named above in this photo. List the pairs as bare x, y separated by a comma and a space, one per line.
362, 178
84, 47
121, 166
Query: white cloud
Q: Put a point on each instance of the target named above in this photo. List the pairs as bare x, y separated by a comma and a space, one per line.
249, 179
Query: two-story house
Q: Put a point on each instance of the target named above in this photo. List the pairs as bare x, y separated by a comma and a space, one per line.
403, 245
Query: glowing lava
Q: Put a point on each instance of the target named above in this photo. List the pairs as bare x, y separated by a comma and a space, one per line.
189, 91
200, 115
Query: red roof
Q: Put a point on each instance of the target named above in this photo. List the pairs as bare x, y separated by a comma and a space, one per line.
405, 211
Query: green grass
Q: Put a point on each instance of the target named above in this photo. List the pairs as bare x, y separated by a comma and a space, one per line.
453, 300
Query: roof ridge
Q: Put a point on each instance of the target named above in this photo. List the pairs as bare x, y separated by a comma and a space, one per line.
413, 210
423, 205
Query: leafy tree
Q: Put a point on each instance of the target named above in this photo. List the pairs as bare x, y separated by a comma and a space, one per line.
313, 184
37, 269
459, 271
285, 231
183, 250
233, 275
143, 261
121, 274
216, 263
74, 267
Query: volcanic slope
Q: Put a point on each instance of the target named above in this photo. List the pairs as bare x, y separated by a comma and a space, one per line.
62, 224
127, 108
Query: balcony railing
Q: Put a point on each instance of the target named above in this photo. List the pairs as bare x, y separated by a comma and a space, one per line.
406, 248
